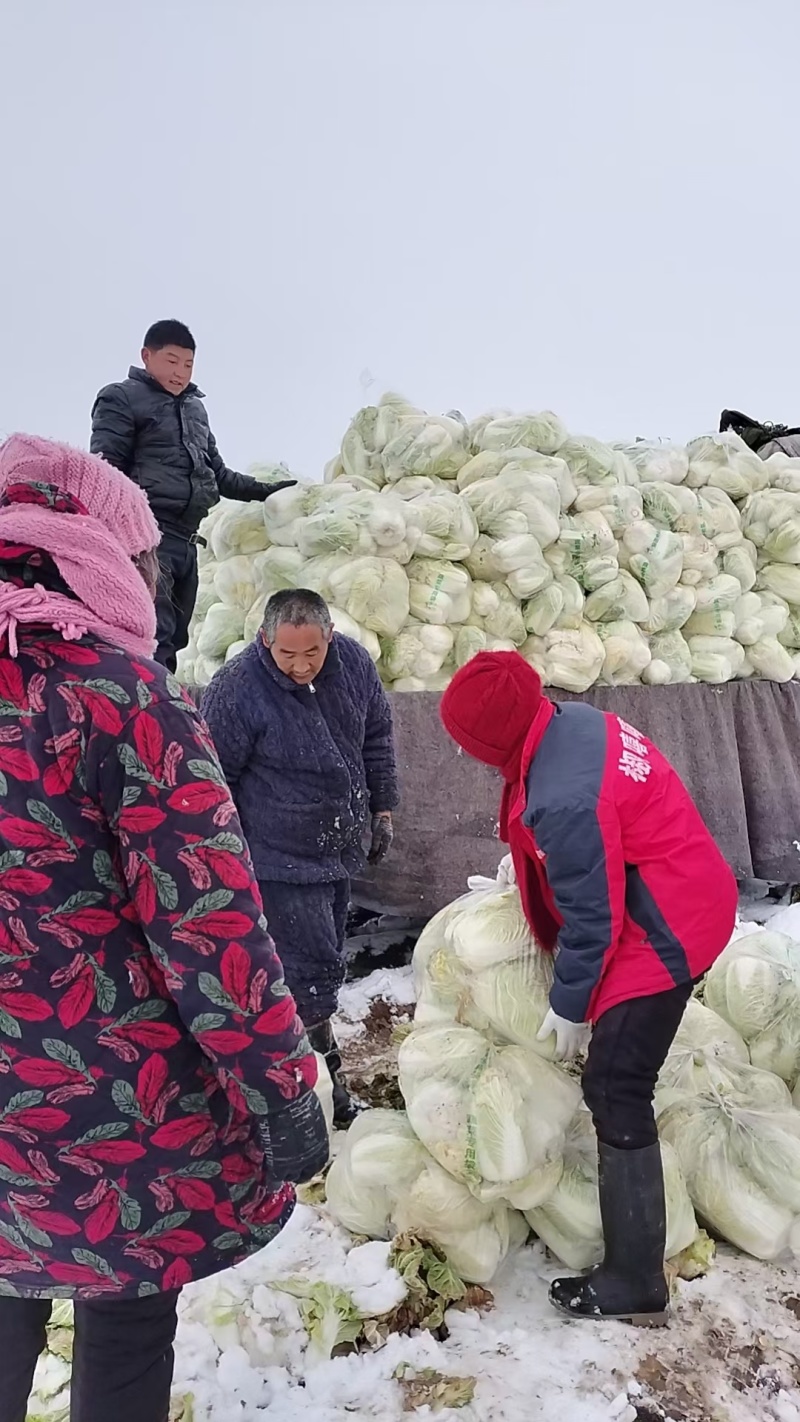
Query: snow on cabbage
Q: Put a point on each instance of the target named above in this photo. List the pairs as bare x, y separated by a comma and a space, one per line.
434, 539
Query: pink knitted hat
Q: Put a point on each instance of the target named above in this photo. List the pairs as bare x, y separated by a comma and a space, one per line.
110, 497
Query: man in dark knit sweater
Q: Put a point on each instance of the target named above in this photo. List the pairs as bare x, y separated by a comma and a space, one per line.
303, 729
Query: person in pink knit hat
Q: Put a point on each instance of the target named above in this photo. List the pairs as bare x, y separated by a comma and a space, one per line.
156, 1083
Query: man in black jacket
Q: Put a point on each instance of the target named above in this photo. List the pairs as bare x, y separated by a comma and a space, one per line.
154, 427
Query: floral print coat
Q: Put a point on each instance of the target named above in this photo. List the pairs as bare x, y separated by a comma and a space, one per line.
145, 1028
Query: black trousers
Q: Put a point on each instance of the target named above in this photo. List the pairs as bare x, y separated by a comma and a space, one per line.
122, 1364
176, 596
628, 1049
308, 924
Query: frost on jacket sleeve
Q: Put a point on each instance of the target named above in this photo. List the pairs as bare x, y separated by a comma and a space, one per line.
380, 761
231, 734
586, 872
114, 428
192, 889
230, 484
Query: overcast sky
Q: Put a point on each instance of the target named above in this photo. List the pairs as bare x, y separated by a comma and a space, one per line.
583, 204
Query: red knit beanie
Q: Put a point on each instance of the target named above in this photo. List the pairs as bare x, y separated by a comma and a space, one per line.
489, 706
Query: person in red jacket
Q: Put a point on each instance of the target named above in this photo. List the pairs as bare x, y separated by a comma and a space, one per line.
616, 870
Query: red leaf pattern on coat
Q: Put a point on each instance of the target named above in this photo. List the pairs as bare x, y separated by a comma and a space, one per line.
115, 1061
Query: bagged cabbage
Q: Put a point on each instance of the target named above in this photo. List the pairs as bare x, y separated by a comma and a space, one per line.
654, 556
712, 622
593, 462
477, 963
544, 432
238, 529
373, 591
569, 1221
658, 463
235, 582
741, 1162
542, 611
350, 628
516, 503
622, 599
740, 563
720, 594
448, 528
222, 625
715, 659
204, 669
384, 1182
476, 1237
468, 1102
521, 562
755, 986
574, 658
207, 593
704, 1046
432, 445
439, 592
571, 616
670, 650
626, 652
668, 506
420, 650
670, 612
783, 580
360, 452
620, 504
283, 509
725, 462
379, 1159
497, 612
768, 659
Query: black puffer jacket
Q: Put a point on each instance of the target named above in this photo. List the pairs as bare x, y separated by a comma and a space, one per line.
163, 442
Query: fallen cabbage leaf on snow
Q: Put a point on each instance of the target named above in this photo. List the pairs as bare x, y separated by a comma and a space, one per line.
426, 1387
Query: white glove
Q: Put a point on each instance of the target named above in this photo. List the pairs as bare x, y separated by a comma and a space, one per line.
506, 874
570, 1036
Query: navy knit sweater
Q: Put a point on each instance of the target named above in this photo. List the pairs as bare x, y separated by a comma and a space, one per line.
307, 768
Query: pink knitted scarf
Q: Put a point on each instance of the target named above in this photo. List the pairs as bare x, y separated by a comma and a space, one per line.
112, 600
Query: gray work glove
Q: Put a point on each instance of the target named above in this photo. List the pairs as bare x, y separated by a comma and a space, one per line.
382, 836
295, 1140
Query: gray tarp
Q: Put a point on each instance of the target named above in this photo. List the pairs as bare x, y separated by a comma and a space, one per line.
737, 748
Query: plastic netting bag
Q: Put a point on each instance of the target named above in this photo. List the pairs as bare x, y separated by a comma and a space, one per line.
494, 1117
703, 1042
419, 650
569, 1221
626, 652
755, 986
725, 462
658, 463
574, 659
439, 592
497, 612
516, 503
544, 432
741, 1163
238, 529
373, 591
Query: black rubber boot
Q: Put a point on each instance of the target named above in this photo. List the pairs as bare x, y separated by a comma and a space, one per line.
323, 1041
630, 1284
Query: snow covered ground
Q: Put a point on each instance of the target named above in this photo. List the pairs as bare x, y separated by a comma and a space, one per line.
731, 1354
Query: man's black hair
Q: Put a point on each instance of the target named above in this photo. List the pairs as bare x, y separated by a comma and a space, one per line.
299, 607
169, 333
